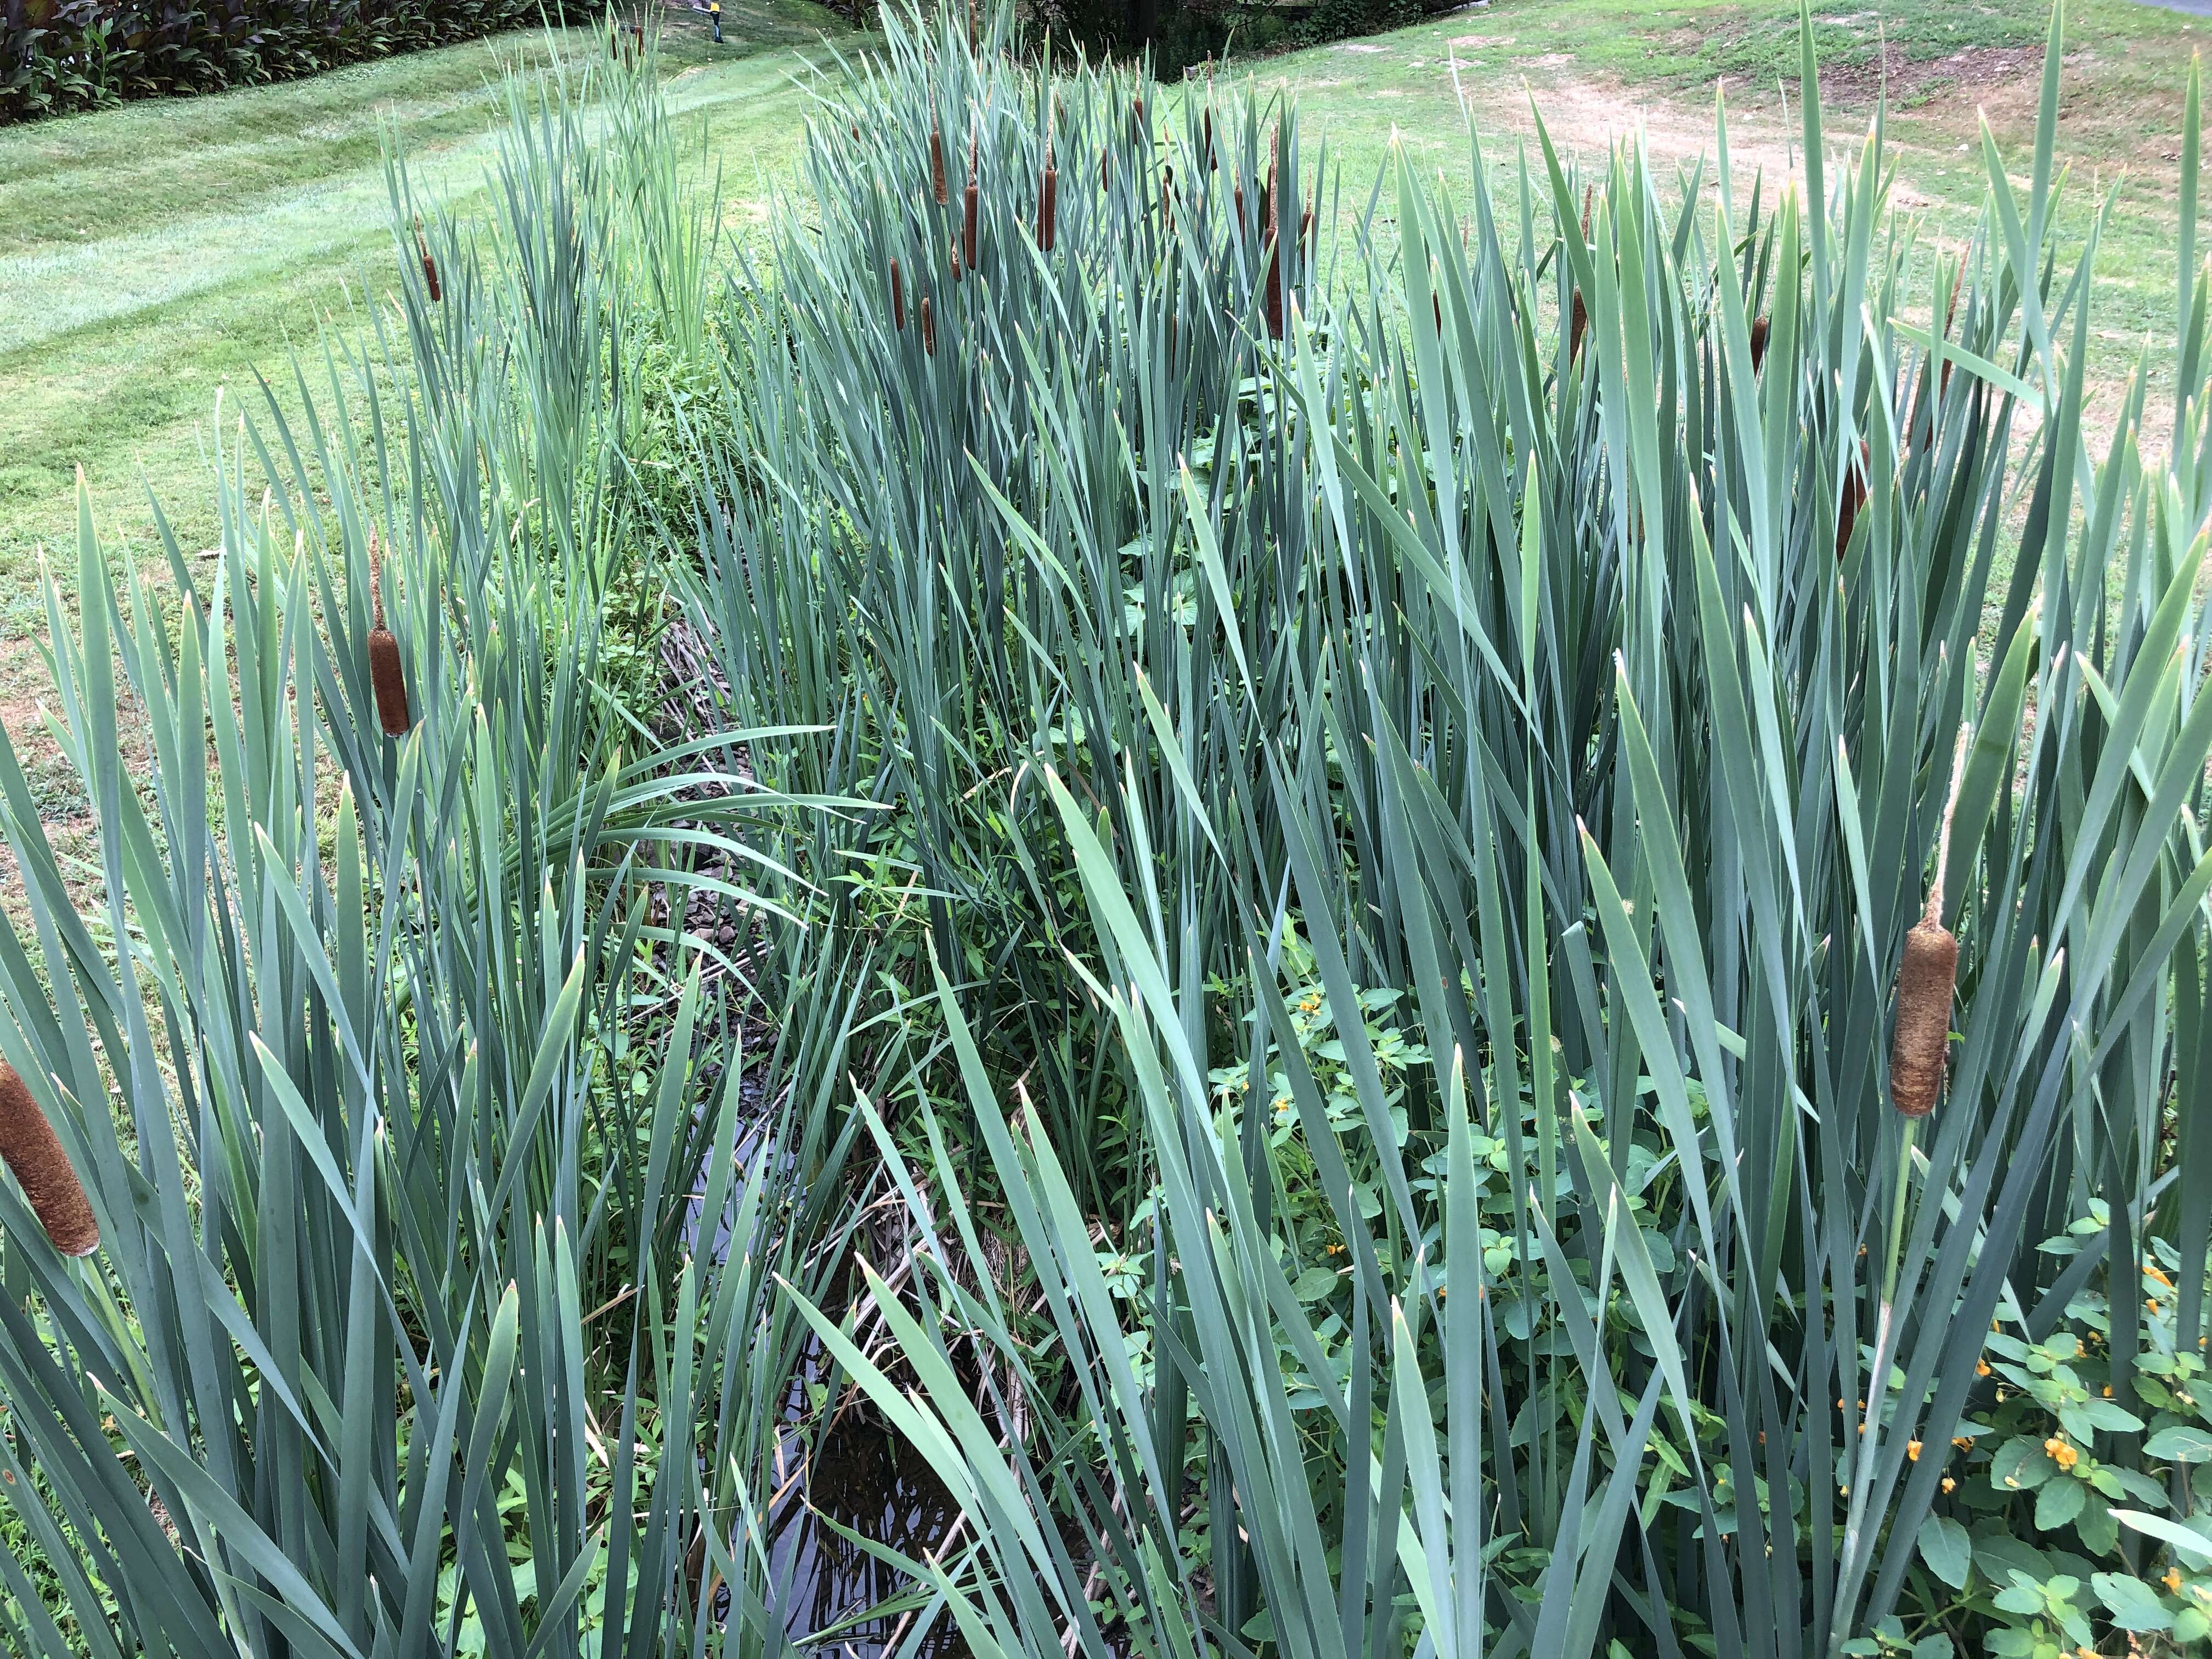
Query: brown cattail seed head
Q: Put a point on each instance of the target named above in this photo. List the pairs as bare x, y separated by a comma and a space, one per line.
1943, 385
937, 185
430, 265
928, 329
1853, 498
1271, 210
1758, 343
34, 1157
1577, 320
954, 260
1049, 206
1925, 979
898, 299
1927, 975
385, 676
1273, 282
391, 683
970, 212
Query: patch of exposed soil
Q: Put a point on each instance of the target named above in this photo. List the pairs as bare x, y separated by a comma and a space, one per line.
1908, 81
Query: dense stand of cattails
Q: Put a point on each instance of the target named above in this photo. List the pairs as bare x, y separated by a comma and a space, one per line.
34, 1157
1927, 977
430, 265
385, 673
1853, 498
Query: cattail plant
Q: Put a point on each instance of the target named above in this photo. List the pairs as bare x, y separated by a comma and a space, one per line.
430, 264
1950, 316
971, 204
1758, 343
1271, 215
1048, 202
898, 299
1927, 975
34, 1157
384, 669
938, 187
1853, 498
1578, 315
928, 329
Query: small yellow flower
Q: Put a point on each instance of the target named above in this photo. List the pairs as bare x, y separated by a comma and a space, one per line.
2155, 1273
2062, 1453
1912, 1450
1949, 1485
2172, 1581
1962, 1441
1981, 1368
1844, 1490
2108, 1391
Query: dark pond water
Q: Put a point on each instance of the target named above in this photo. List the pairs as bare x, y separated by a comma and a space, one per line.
863, 1478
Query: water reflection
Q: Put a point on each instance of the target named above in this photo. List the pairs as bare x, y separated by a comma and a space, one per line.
864, 1479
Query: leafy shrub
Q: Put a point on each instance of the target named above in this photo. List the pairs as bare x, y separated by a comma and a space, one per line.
58, 56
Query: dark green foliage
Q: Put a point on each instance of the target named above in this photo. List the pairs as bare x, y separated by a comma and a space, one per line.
58, 56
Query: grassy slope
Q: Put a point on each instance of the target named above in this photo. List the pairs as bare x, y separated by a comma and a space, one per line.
154, 253
1598, 67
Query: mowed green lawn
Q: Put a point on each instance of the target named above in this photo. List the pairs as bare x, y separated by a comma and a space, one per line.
154, 256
